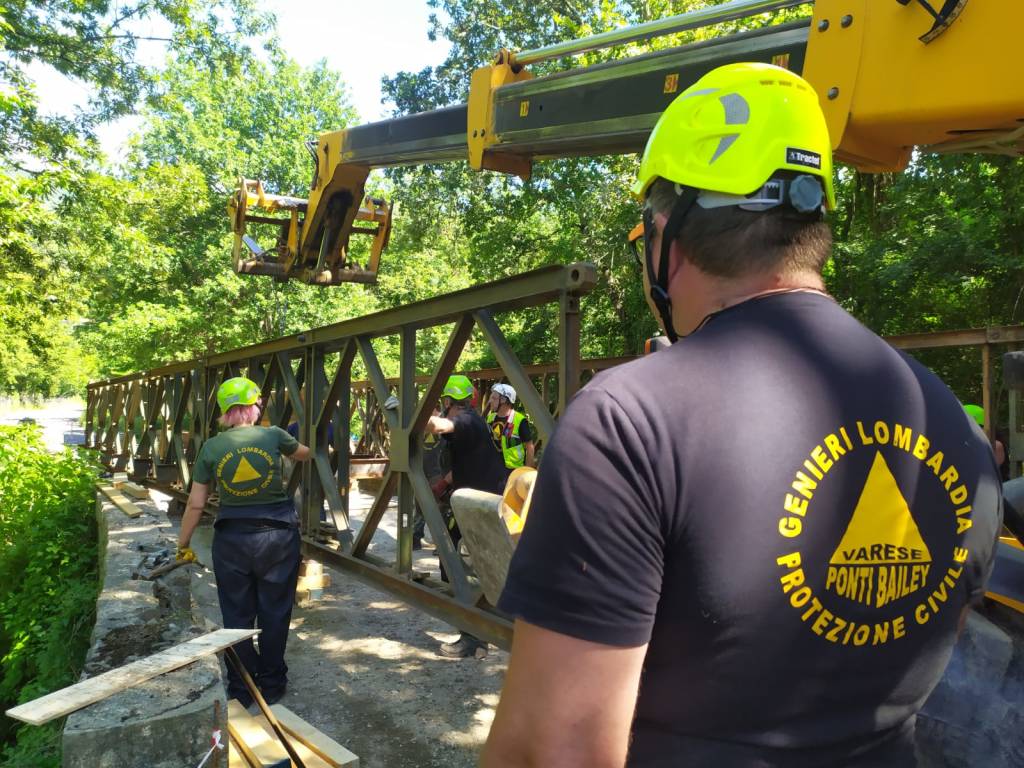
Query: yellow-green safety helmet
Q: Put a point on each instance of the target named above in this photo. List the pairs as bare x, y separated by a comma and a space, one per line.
976, 412
733, 129
237, 391
458, 387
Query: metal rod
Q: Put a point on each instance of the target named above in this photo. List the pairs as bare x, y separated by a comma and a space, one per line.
492, 627
691, 20
986, 391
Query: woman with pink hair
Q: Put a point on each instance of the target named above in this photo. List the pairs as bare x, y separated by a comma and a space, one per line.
256, 544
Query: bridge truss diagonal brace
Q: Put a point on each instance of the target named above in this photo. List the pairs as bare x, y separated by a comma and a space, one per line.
509, 363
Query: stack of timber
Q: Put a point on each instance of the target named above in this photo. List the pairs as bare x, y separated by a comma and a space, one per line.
312, 582
253, 743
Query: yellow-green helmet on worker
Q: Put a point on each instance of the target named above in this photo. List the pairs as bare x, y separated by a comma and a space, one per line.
237, 391
458, 387
735, 128
976, 412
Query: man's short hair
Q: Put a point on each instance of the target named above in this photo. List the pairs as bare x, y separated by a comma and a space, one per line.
732, 242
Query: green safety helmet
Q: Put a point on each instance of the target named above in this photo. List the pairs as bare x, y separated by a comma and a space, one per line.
237, 391
458, 387
734, 129
977, 413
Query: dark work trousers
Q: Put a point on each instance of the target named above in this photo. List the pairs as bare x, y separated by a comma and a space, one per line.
257, 568
445, 505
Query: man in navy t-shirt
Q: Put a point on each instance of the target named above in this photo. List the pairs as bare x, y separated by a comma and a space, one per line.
755, 547
475, 463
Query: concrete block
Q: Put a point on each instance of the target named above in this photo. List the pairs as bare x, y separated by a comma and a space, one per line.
166, 721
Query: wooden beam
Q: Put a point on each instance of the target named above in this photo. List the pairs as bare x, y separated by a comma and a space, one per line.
74, 697
134, 490
259, 748
971, 337
325, 747
119, 500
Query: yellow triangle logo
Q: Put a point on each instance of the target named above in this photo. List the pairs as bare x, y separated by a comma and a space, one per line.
882, 530
882, 556
245, 472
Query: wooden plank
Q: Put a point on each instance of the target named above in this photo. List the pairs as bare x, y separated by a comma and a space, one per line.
324, 746
308, 756
258, 748
74, 697
235, 757
135, 490
119, 500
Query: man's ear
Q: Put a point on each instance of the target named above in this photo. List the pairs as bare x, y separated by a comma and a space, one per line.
677, 259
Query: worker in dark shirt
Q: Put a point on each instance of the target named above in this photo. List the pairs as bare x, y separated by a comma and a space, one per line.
755, 547
475, 463
256, 543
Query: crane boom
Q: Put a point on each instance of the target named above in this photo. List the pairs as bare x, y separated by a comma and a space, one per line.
892, 75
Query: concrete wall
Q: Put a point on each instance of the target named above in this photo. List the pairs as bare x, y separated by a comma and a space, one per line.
167, 721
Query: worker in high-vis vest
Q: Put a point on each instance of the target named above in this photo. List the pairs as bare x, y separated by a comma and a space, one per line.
511, 430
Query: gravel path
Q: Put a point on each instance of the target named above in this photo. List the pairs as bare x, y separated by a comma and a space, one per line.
363, 668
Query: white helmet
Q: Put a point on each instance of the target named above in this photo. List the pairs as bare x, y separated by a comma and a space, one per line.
505, 390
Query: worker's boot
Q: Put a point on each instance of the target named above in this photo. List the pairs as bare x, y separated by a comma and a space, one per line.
273, 695
467, 645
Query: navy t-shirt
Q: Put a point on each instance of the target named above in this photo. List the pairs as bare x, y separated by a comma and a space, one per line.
790, 512
293, 430
475, 461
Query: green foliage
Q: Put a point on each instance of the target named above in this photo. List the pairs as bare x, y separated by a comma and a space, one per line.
121, 269
937, 247
96, 44
48, 163
48, 581
156, 236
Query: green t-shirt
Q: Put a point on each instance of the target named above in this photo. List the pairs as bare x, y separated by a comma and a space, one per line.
246, 461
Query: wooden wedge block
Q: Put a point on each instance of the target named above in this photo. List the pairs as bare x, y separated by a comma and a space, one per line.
310, 568
324, 746
74, 697
258, 748
319, 581
304, 597
119, 500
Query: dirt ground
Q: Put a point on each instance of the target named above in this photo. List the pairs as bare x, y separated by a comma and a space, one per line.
363, 668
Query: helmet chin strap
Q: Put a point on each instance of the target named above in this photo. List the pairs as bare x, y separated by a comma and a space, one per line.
659, 284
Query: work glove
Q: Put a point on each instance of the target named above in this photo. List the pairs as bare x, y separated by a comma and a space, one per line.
186, 554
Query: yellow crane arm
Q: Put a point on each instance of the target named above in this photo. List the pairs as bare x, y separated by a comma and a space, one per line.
892, 75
